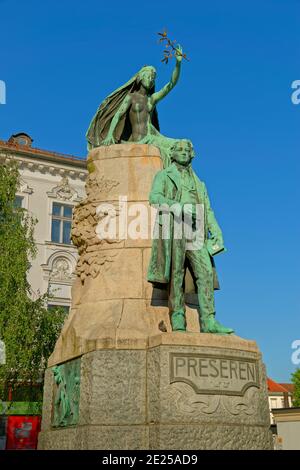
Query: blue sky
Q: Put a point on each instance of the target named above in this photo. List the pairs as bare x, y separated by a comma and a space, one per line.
60, 59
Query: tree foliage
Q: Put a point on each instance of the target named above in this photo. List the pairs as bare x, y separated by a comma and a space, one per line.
27, 328
296, 382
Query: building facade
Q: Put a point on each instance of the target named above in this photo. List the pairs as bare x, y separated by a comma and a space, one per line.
280, 396
288, 428
51, 184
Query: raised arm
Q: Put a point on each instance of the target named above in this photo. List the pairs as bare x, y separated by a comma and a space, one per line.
156, 97
109, 140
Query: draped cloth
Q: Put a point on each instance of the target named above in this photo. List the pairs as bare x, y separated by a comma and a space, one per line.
101, 122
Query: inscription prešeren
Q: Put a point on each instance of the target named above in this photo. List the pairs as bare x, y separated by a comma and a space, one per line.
214, 374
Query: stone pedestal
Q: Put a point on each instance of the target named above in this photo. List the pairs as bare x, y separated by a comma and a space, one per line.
112, 302
123, 379
185, 391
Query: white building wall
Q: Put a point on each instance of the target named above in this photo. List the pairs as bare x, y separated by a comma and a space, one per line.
42, 183
289, 435
276, 401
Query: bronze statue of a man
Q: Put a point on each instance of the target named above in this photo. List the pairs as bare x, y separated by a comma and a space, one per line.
178, 188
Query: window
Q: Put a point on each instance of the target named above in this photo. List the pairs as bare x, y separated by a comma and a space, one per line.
273, 402
61, 223
18, 201
65, 308
22, 141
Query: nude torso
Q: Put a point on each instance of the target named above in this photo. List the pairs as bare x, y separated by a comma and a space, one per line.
139, 115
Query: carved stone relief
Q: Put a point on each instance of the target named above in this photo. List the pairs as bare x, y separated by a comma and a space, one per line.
66, 393
85, 234
191, 403
64, 191
61, 270
24, 187
99, 186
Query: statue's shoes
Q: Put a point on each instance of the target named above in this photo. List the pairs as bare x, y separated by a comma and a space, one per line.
211, 325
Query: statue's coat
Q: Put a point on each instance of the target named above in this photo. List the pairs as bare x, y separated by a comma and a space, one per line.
166, 189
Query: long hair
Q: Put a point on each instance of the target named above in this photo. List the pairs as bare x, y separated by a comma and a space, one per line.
101, 121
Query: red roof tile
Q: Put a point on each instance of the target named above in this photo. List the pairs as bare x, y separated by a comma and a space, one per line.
275, 387
290, 387
25, 149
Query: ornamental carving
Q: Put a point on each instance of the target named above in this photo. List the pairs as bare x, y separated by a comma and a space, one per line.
64, 191
61, 270
242, 405
99, 186
188, 402
24, 187
85, 235
86, 219
93, 263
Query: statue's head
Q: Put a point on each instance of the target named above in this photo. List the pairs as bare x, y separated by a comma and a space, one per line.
146, 76
182, 151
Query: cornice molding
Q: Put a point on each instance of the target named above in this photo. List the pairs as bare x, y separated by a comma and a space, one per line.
45, 155
55, 169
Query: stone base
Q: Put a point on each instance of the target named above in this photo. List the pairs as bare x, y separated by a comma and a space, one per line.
183, 391
156, 437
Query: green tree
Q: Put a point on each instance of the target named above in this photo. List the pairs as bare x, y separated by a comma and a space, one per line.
296, 382
27, 328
